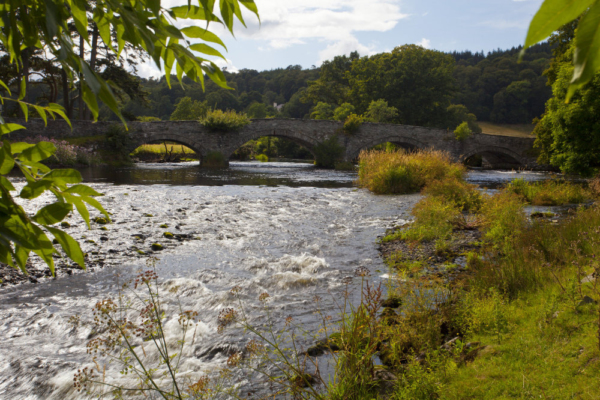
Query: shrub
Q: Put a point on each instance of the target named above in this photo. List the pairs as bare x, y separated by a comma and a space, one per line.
328, 152
68, 154
465, 196
549, 193
262, 158
214, 159
352, 124
224, 121
118, 140
463, 131
502, 218
402, 172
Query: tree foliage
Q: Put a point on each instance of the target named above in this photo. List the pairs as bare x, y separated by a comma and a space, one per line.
552, 15
188, 110
343, 111
568, 134
380, 112
322, 111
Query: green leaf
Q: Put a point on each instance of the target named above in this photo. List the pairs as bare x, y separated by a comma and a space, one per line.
80, 17
90, 100
5, 87
587, 49
94, 203
64, 175
250, 5
8, 128
24, 109
35, 189
69, 245
38, 152
21, 256
6, 253
42, 113
194, 12
18, 147
81, 208
552, 15
83, 190
23, 88
14, 230
52, 213
198, 33
6, 184
57, 108
7, 161
206, 49
45, 249
154, 6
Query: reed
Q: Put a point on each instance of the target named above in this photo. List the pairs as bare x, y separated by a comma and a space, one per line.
402, 172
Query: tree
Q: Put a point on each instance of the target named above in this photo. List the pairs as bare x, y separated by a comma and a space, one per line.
457, 114
332, 85
48, 25
322, 111
187, 110
554, 14
416, 81
257, 110
342, 112
568, 135
379, 111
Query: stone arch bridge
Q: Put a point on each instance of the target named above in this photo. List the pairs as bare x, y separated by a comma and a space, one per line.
496, 151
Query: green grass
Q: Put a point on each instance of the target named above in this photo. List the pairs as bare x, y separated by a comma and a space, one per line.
401, 172
549, 193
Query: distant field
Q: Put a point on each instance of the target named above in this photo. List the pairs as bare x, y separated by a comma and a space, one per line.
157, 151
518, 130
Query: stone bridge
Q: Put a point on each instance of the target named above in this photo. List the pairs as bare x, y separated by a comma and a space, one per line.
496, 151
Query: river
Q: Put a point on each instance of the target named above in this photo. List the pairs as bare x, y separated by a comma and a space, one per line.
287, 229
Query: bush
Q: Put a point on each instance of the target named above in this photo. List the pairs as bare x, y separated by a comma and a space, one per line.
118, 140
549, 193
148, 119
262, 158
68, 154
214, 159
463, 131
502, 218
328, 153
188, 110
352, 124
402, 172
224, 121
463, 195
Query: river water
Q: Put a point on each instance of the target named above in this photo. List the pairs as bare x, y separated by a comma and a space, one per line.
287, 229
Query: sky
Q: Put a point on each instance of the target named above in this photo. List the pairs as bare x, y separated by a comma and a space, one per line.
308, 32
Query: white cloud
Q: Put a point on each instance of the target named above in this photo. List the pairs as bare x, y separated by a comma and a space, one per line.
342, 47
426, 43
222, 63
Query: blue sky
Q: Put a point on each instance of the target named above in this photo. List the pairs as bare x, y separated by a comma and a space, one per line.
307, 32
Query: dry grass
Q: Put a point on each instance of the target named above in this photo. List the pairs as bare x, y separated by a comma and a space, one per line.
401, 172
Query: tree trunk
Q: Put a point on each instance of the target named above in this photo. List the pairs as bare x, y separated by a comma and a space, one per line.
81, 55
93, 57
65, 81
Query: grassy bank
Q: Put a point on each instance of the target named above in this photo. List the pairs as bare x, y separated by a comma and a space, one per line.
509, 312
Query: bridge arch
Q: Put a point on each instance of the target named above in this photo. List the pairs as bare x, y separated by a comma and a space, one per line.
496, 157
406, 142
297, 137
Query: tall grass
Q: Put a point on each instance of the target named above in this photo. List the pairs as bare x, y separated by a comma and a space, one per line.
402, 172
549, 193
